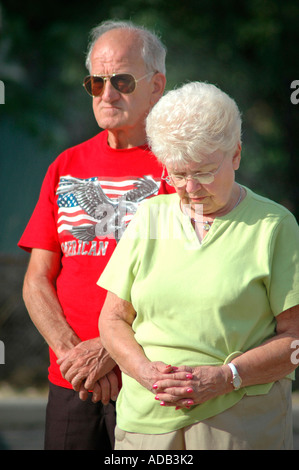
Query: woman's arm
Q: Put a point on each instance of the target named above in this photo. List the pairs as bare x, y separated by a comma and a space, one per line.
266, 363
272, 360
117, 335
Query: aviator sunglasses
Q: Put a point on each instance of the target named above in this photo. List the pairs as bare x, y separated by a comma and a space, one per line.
122, 82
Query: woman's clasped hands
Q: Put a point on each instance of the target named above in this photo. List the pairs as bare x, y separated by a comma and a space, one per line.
187, 386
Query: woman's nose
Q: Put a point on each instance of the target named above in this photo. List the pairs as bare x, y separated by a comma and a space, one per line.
192, 185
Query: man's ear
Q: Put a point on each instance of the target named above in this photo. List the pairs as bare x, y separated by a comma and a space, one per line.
158, 87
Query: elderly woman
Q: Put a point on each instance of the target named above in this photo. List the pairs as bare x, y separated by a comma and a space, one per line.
203, 316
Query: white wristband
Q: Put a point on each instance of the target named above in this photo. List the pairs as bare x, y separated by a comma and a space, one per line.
236, 381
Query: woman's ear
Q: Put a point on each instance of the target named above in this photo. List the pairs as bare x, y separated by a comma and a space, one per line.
237, 157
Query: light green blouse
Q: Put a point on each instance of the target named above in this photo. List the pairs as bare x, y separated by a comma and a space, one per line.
201, 303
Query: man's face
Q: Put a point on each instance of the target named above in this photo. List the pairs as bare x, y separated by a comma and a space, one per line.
118, 51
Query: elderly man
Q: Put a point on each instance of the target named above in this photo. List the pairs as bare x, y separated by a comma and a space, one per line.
89, 195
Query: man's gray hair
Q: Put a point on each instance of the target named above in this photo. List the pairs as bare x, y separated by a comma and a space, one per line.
153, 50
193, 120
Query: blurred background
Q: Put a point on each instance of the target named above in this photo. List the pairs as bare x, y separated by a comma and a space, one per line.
247, 48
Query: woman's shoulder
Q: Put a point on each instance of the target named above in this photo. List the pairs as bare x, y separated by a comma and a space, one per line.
266, 207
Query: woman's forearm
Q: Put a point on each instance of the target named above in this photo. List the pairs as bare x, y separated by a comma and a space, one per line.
266, 363
118, 338
115, 327
272, 360
124, 349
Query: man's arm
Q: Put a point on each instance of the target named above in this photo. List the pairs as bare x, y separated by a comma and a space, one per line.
39, 293
88, 358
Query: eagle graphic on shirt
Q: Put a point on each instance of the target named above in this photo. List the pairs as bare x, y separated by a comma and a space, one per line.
90, 208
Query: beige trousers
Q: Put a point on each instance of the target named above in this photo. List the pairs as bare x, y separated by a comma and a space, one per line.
262, 422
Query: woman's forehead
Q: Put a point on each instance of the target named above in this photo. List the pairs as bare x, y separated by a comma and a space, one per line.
204, 162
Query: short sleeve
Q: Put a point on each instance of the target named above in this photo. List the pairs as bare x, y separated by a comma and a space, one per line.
284, 279
122, 268
41, 230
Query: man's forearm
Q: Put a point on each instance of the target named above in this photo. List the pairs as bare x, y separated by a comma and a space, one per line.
47, 315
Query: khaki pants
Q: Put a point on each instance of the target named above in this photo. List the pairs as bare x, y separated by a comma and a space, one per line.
262, 422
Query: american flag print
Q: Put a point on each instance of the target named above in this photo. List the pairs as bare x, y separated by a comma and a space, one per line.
93, 208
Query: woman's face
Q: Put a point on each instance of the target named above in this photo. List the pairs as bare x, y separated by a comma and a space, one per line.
217, 197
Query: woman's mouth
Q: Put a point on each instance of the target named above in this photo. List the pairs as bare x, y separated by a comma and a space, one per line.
197, 198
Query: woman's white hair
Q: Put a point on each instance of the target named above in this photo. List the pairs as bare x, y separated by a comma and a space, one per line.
193, 120
153, 50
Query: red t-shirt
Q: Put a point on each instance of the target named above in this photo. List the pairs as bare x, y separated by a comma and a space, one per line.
89, 194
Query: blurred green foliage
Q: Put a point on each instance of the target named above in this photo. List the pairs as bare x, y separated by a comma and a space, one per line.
247, 48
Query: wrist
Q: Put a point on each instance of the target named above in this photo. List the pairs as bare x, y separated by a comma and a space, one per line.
64, 346
236, 380
136, 369
227, 375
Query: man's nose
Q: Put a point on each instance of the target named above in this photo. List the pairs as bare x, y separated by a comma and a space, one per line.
109, 92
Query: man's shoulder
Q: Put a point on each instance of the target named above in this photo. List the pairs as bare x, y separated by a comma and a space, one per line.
86, 145
78, 154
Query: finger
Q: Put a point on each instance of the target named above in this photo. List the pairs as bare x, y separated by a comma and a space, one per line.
164, 368
182, 391
114, 388
105, 387
169, 401
173, 395
169, 369
65, 366
68, 371
64, 358
165, 398
83, 393
77, 381
96, 393
90, 381
174, 380
69, 368
69, 365
77, 373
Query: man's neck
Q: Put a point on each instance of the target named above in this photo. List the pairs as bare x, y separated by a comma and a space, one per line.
122, 140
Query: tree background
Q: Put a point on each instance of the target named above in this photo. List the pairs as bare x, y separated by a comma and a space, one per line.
247, 48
